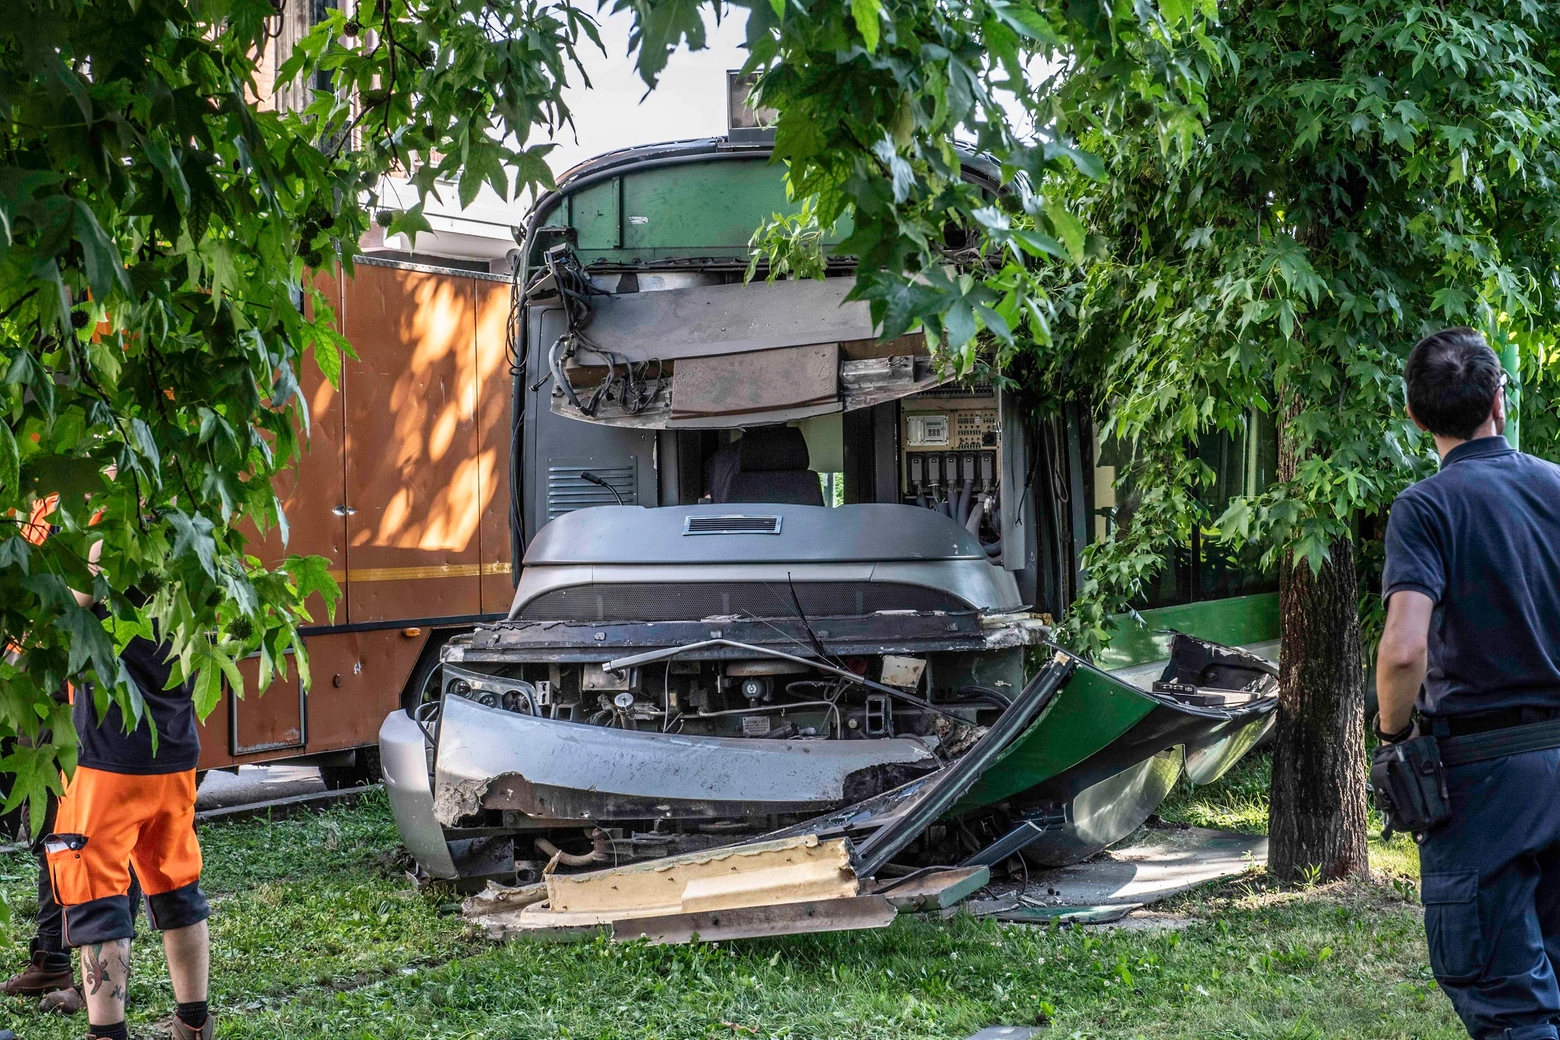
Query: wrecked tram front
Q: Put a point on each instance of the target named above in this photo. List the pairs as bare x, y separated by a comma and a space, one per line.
773, 568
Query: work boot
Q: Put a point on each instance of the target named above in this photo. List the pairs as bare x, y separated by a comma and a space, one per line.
181, 1031
65, 1001
46, 971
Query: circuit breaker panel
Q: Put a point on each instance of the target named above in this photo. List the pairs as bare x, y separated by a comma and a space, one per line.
948, 442
951, 459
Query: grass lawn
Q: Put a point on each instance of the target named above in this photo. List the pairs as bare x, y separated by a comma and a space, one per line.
318, 932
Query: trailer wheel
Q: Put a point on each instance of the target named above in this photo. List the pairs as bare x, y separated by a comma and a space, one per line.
363, 771
424, 685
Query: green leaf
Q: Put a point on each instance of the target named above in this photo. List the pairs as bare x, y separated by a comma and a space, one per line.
105, 269
89, 643
10, 461
865, 14
1027, 21
193, 535
221, 263
1086, 163
959, 324
409, 222
1068, 228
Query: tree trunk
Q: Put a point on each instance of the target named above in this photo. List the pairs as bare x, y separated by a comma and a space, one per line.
1317, 802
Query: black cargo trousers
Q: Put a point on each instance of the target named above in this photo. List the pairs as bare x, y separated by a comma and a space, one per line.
1490, 878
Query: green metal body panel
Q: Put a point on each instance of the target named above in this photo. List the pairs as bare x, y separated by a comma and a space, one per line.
1238, 621
695, 210
1090, 712
1094, 710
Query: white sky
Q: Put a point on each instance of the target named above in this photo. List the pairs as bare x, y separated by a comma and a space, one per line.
615, 112
690, 100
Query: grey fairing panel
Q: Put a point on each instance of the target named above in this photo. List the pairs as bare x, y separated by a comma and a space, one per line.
979, 584
487, 754
403, 755
728, 319
868, 532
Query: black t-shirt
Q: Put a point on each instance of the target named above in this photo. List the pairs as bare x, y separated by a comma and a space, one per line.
1481, 538
109, 748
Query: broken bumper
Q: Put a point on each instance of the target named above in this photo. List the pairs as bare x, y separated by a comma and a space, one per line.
568, 772
403, 755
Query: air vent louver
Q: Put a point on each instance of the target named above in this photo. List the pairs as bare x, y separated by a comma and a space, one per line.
567, 490
731, 525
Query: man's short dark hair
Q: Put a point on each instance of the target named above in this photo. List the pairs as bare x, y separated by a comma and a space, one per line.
1452, 377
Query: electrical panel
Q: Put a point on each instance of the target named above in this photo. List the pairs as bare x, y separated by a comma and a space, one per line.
950, 457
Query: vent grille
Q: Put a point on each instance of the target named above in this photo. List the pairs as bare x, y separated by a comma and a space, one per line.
568, 491
654, 601
731, 525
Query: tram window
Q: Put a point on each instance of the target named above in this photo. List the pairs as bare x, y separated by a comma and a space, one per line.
825, 436
1199, 568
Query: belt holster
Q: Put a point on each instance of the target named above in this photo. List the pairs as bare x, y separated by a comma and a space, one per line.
1410, 785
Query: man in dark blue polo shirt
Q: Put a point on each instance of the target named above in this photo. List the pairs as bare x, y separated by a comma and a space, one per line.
1472, 638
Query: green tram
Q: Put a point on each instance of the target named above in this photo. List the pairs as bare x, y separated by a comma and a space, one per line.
775, 568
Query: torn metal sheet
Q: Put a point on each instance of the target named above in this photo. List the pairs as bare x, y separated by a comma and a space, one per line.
1107, 811
496, 759
748, 384
1166, 863
934, 890
940, 793
1023, 913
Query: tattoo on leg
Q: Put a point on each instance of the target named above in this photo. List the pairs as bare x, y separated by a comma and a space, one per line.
111, 966
92, 972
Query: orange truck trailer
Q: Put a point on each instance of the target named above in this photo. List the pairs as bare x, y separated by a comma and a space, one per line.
405, 489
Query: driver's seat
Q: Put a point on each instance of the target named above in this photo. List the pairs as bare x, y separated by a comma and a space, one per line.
772, 467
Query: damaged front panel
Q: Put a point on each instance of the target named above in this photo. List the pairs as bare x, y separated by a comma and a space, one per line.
551, 771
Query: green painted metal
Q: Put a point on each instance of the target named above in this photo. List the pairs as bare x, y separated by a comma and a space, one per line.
693, 210
1091, 712
1234, 622
1095, 709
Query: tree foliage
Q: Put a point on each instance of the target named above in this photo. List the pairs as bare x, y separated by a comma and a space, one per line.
1366, 172
158, 223
877, 102
156, 226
